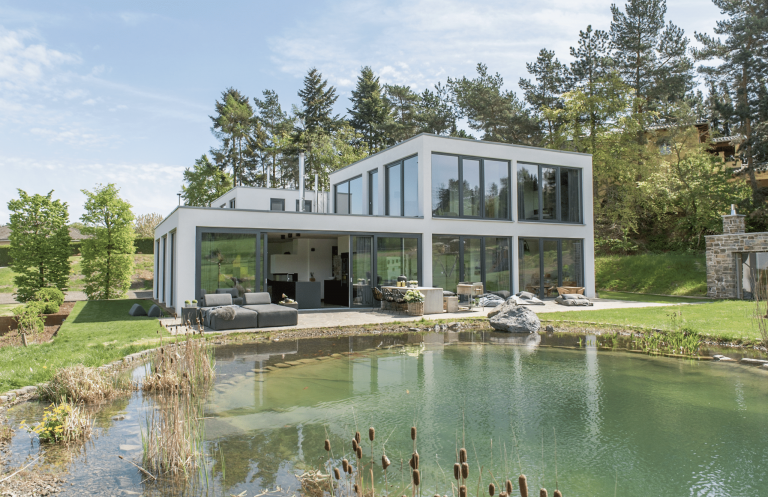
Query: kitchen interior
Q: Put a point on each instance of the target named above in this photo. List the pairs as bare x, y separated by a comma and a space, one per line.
311, 269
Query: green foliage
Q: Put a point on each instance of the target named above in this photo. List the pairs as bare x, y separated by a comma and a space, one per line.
552, 82
145, 224
108, 254
50, 299
232, 125
5, 255
673, 273
370, 111
29, 318
204, 183
39, 243
317, 99
144, 245
274, 137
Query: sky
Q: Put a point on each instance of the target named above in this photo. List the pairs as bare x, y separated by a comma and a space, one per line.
95, 92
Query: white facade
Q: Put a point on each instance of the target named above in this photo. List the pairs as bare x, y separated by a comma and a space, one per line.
252, 212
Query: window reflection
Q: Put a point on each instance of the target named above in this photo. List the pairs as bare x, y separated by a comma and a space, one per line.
549, 193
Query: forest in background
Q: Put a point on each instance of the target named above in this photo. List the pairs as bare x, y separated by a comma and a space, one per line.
630, 96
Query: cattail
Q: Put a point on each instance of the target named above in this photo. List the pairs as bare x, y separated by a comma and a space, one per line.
327, 445
491, 489
508, 486
415, 460
371, 433
336, 473
416, 477
503, 494
523, 482
462, 455
385, 462
463, 491
359, 452
349, 469
464, 470
357, 489
357, 436
354, 445
457, 470
543, 492
413, 433
558, 493
344, 465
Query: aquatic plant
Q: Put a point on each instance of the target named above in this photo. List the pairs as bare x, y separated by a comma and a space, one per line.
62, 423
184, 367
81, 384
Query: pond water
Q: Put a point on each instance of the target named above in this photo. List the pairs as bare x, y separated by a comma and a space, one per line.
648, 425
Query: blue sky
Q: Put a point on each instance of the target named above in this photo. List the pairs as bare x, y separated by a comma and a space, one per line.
120, 92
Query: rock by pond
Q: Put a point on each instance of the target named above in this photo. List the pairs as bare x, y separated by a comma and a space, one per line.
514, 319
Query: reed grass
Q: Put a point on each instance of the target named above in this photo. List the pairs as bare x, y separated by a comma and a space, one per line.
80, 384
186, 367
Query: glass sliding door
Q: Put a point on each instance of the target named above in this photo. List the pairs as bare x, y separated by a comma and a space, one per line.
362, 271
496, 264
395, 257
446, 270
550, 264
571, 260
530, 266
472, 260
228, 260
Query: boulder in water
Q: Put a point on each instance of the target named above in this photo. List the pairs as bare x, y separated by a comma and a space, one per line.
514, 319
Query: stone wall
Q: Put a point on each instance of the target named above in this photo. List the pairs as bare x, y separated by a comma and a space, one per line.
722, 268
734, 223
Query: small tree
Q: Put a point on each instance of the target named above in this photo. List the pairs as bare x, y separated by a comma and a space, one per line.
204, 183
108, 254
39, 243
145, 224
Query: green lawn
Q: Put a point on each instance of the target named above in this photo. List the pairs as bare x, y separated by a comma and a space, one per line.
729, 319
6, 280
640, 297
96, 333
7, 309
669, 274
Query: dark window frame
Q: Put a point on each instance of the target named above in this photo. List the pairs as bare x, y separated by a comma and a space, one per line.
282, 203
521, 241
371, 206
348, 181
462, 276
232, 203
558, 214
481, 208
401, 163
307, 205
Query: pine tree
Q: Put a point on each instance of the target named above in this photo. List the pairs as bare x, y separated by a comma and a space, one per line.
232, 125
739, 78
317, 100
497, 113
436, 113
369, 114
404, 104
277, 127
552, 80
652, 57
39, 243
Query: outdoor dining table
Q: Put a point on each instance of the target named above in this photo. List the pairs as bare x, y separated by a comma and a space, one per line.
433, 297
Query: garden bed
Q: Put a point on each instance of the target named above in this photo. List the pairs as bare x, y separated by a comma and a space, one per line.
9, 336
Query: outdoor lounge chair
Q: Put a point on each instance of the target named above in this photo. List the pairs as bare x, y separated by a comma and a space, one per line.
216, 318
270, 314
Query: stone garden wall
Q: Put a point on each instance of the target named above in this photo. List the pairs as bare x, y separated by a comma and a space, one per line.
722, 268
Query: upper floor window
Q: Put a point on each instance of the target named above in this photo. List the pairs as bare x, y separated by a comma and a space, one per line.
470, 187
307, 205
349, 196
549, 193
277, 204
373, 192
232, 204
402, 188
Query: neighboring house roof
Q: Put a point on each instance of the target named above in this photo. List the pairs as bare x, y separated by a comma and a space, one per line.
74, 233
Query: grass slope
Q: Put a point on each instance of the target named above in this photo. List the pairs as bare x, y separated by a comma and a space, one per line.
728, 319
668, 274
95, 333
640, 297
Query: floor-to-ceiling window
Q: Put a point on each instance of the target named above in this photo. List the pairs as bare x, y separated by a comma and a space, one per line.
396, 256
549, 193
471, 259
546, 263
470, 187
349, 196
373, 192
228, 260
402, 187
165, 267
173, 260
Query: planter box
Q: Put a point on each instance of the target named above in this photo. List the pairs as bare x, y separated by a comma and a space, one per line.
416, 308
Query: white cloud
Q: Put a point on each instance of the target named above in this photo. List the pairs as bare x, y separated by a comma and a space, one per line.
23, 63
134, 18
71, 135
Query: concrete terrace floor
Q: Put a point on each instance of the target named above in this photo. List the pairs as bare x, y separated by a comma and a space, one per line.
334, 319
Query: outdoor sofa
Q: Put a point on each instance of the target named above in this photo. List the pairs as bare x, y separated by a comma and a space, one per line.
257, 311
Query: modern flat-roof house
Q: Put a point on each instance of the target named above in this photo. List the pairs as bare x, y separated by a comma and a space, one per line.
435, 209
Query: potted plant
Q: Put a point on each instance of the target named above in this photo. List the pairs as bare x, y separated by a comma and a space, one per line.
413, 283
415, 301
187, 303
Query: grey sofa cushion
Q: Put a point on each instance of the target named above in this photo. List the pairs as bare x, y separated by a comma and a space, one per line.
217, 299
244, 318
155, 312
275, 315
137, 310
236, 299
257, 298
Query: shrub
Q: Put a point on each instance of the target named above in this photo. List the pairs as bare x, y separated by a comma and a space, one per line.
63, 423
50, 299
75, 247
80, 384
144, 245
29, 318
5, 256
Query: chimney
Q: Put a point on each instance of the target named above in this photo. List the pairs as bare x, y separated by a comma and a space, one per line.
733, 223
301, 181
317, 209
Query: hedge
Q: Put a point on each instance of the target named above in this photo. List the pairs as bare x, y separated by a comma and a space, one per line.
143, 246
